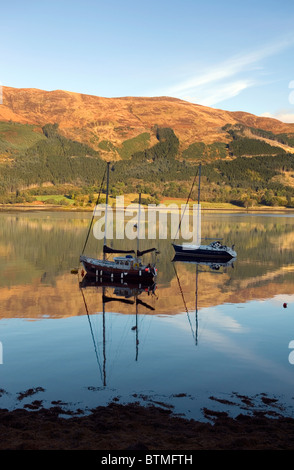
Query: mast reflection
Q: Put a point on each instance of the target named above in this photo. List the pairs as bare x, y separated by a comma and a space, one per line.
121, 293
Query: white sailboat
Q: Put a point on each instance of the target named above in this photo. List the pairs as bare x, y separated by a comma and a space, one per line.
214, 251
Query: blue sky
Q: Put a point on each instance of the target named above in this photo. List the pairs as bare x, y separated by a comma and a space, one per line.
231, 55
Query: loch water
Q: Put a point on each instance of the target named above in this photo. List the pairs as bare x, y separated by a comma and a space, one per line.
202, 337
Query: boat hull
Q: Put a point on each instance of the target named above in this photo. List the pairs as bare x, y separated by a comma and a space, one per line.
110, 271
205, 252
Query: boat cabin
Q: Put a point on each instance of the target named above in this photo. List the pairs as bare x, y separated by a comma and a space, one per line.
127, 261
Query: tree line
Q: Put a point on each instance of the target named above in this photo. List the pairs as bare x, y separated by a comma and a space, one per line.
156, 171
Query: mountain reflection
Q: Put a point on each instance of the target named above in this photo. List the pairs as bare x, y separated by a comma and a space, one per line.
38, 251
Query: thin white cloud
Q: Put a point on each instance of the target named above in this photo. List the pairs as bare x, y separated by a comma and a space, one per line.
212, 96
283, 116
212, 86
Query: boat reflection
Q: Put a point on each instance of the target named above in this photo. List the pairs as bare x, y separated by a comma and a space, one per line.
124, 289
201, 265
121, 293
212, 264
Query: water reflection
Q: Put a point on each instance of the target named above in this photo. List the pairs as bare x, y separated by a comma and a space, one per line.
202, 329
200, 264
118, 293
38, 251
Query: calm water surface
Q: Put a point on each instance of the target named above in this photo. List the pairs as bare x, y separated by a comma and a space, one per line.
200, 333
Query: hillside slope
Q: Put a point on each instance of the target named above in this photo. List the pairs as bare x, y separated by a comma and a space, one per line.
54, 145
97, 121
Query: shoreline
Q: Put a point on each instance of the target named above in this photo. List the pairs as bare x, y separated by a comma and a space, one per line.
58, 208
142, 428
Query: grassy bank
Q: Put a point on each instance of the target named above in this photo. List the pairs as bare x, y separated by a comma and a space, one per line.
61, 203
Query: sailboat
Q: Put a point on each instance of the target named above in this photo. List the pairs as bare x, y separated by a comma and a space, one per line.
214, 251
127, 267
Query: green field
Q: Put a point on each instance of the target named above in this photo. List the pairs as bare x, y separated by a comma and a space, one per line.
54, 199
15, 137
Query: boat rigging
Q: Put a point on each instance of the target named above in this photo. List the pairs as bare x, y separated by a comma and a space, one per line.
125, 268
215, 250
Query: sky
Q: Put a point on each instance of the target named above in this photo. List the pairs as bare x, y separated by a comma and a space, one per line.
237, 56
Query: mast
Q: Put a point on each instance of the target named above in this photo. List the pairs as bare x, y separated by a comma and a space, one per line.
189, 196
199, 184
137, 334
196, 307
106, 208
198, 208
104, 342
138, 228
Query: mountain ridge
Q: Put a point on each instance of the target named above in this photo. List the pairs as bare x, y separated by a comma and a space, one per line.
92, 119
56, 143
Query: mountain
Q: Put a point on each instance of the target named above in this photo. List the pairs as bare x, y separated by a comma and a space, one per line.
56, 143
106, 123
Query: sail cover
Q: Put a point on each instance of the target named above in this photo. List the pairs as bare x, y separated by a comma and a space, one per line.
106, 299
141, 253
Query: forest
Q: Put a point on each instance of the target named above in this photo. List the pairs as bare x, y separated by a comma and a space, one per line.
49, 164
